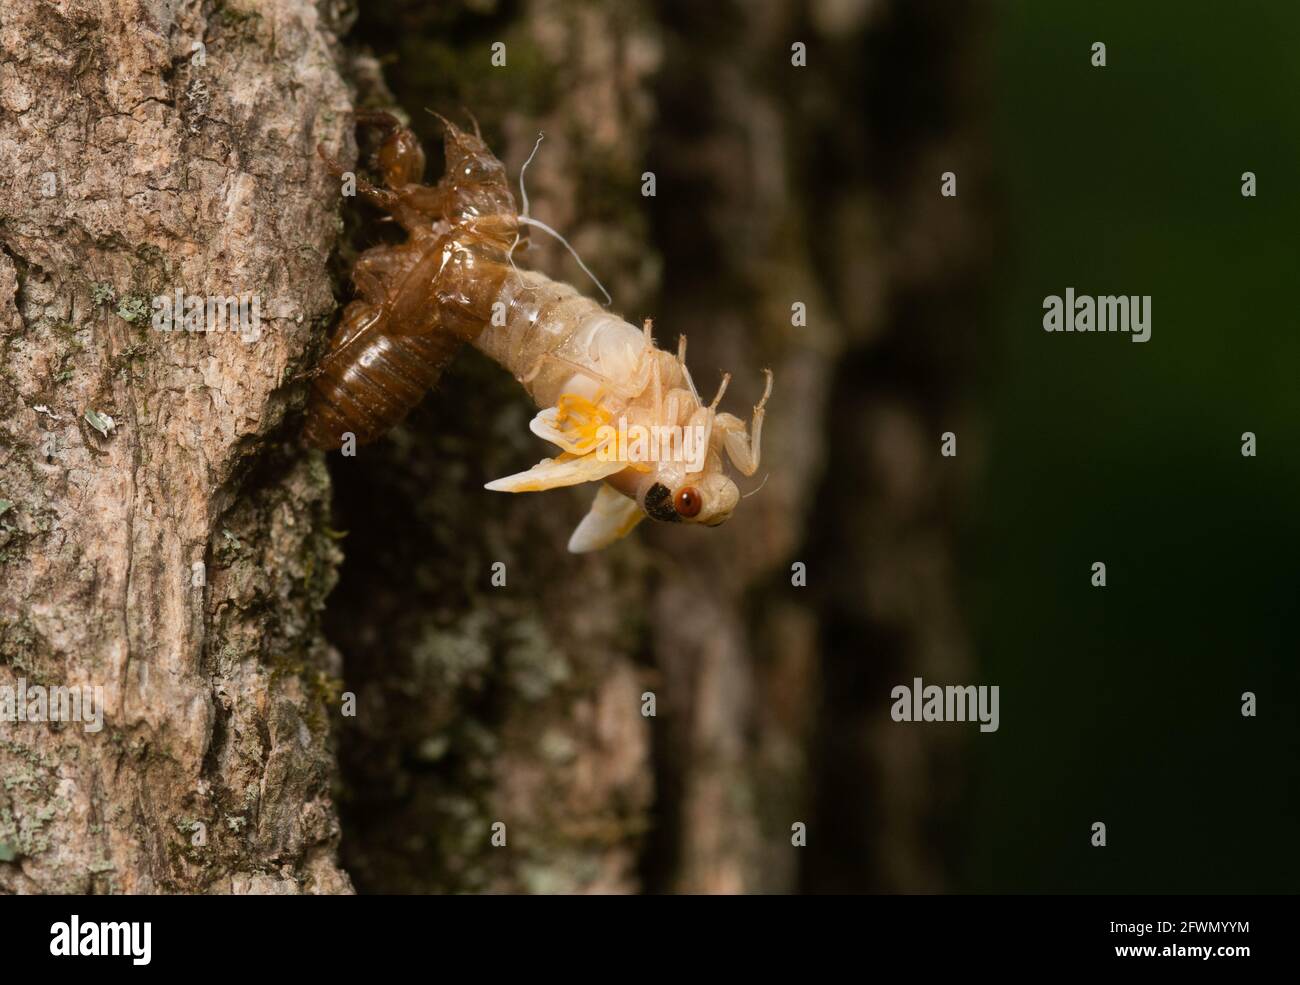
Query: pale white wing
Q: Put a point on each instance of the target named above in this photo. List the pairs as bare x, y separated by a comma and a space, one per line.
550, 473
612, 516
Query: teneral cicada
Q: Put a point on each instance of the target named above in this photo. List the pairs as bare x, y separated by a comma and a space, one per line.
595, 378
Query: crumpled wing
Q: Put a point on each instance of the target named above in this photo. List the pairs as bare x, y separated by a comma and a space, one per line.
574, 425
551, 473
612, 516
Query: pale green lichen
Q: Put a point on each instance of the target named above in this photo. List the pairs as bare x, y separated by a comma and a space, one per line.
20, 645
100, 422
133, 308
534, 664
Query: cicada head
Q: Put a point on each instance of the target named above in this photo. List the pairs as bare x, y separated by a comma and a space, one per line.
706, 497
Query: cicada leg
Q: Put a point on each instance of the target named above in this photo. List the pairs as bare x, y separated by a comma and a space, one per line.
744, 448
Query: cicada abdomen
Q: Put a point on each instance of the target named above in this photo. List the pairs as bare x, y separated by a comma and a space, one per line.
420, 300
367, 391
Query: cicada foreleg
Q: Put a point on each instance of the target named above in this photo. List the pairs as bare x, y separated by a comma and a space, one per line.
744, 447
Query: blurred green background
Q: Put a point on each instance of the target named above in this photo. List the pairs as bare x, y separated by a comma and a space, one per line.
1122, 704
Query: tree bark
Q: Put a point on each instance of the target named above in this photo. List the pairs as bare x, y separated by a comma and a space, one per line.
179, 560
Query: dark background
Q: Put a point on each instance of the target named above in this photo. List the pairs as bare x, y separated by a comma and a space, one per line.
1123, 704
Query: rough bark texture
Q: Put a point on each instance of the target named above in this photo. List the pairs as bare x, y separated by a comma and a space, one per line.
171, 169
475, 704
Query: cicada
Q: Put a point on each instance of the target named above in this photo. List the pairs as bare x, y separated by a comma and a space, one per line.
622, 412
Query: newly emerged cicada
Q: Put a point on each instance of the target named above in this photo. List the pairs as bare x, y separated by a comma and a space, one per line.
622, 412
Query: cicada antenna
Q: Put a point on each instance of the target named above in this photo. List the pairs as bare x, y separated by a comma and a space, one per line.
527, 220
523, 198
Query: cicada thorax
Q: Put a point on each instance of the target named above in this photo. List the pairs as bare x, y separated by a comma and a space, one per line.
419, 301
